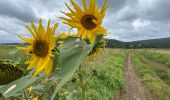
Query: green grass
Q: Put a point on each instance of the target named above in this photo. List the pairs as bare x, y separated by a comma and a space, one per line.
158, 88
104, 74
110, 75
163, 75
158, 57
11, 52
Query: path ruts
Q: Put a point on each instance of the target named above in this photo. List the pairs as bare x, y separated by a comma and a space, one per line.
134, 88
156, 64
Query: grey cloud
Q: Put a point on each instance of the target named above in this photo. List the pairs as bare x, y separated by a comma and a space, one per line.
152, 10
114, 5
120, 24
127, 14
126, 20
14, 9
158, 10
127, 32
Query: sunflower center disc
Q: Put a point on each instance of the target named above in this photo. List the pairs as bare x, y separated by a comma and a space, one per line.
40, 48
87, 22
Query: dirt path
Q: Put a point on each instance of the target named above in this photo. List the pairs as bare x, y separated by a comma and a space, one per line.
156, 64
133, 85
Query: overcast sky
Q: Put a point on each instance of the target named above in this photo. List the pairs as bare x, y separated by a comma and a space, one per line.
126, 20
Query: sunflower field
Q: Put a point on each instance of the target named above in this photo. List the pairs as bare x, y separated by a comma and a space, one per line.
40, 68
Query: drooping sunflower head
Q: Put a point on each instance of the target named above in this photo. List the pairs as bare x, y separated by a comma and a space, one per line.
88, 20
40, 47
67, 34
101, 43
9, 72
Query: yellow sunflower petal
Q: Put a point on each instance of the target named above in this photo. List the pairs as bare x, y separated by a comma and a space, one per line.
77, 15
42, 67
52, 44
32, 33
101, 30
68, 14
28, 49
92, 5
92, 38
34, 27
84, 34
96, 11
49, 68
84, 4
69, 20
73, 25
80, 32
69, 8
33, 63
103, 10
41, 30
41, 62
28, 40
54, 28
76, 7
50, 34
48, 28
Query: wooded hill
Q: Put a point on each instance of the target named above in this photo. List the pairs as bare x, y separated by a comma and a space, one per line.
152, 43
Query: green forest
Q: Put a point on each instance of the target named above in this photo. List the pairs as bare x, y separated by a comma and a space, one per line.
151, 43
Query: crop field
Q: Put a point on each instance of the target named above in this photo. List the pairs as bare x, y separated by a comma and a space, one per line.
110, 74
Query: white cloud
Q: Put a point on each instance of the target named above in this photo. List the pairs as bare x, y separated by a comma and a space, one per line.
139, 23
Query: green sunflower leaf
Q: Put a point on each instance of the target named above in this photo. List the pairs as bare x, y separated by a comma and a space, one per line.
17, 85
71, 56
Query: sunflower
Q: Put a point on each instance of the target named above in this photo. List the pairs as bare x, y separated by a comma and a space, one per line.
40, 47
9, 72
88, 21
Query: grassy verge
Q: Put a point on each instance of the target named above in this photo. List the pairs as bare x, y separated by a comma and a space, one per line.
158, 57
157, 87
163, 75
104, 74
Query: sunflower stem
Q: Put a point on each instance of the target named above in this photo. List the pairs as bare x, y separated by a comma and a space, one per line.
82, 82
25, 95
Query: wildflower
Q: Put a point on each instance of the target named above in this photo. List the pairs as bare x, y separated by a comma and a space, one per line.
30, 89
35, 98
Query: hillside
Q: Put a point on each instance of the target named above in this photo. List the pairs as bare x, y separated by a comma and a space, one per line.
152, 43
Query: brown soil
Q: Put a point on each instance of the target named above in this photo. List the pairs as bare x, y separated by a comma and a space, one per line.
156, 64
134, 88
